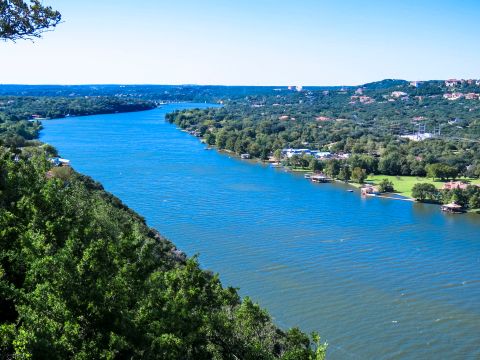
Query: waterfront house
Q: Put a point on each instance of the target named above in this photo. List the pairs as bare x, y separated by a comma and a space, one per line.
245, 156
319, 178
452, 208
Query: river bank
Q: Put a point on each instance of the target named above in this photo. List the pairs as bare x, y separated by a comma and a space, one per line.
403, 185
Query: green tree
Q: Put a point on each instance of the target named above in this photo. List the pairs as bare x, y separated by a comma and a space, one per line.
441, 171
385, 185
359, 175
332, 168
26, 20
424, 191
345, 173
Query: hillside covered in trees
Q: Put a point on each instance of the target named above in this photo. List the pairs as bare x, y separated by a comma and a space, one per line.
390, 127
20, 116
82, 276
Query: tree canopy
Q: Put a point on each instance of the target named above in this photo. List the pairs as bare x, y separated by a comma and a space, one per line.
26, 20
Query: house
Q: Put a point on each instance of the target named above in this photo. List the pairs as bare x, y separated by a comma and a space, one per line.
57, 161
453, 96
290, 152
419, 118
454, 185
472, 96
245, 156
322, 155
415, 83
451, 82
323, 118
452, 208
397, 94
366, 99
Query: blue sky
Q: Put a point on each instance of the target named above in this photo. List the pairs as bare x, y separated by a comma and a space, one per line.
261, 42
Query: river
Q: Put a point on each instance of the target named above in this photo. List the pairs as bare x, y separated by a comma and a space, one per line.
378, 278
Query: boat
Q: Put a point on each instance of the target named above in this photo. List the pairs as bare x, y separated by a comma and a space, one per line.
307, 176
349, 190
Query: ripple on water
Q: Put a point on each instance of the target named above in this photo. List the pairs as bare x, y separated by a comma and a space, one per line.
380, 279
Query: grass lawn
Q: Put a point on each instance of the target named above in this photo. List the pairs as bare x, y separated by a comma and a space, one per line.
403, 184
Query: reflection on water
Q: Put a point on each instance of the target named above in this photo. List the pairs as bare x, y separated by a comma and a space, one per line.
380, 279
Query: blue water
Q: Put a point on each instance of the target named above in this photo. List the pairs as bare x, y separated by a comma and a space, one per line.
379, 279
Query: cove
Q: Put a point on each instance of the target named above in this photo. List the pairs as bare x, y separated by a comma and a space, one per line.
379, 279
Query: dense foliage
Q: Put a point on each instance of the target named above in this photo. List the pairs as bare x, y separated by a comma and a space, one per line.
160, 93
19, 115
468, 198
367, 123
22, 108
26, 20
82, 276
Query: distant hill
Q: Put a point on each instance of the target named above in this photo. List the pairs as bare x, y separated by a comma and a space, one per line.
385, 84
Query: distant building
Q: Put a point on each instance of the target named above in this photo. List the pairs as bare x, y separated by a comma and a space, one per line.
472, 96
57, 161
452, 82
418, 137
453, 96
419, 118
454, 185
397, 94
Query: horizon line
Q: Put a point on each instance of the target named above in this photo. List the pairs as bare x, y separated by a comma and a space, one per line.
219, 85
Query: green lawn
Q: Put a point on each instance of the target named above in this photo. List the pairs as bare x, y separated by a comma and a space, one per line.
404, 184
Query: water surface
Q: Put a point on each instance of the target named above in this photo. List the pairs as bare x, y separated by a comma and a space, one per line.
380, 279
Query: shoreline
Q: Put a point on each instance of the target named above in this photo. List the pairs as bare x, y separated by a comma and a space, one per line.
399, 196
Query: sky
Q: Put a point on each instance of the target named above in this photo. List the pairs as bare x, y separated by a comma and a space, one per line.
249, 42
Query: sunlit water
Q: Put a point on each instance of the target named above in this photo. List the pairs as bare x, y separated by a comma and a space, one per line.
380, 279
